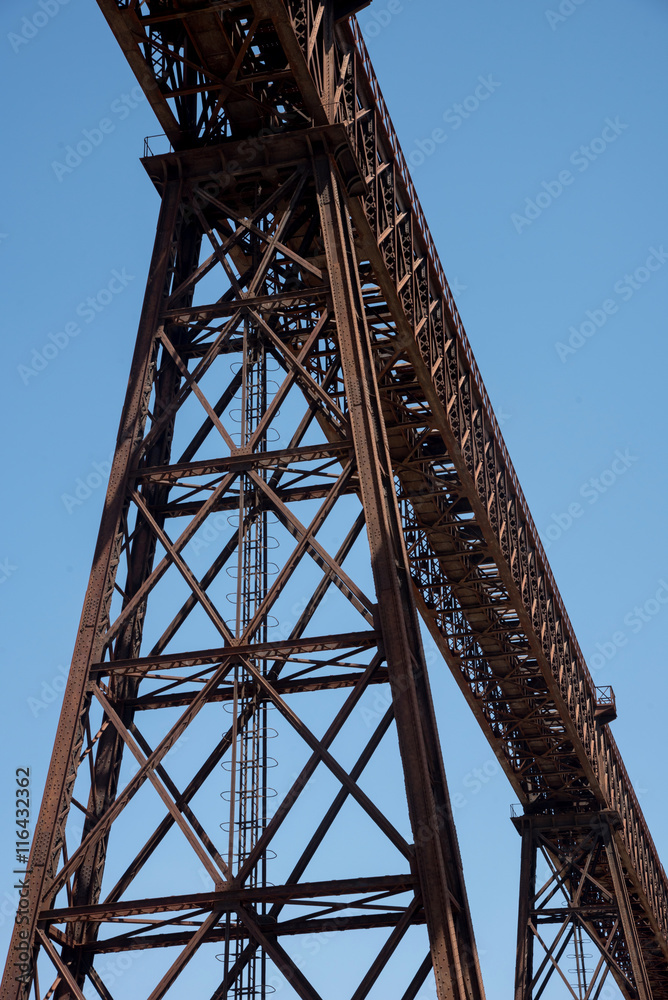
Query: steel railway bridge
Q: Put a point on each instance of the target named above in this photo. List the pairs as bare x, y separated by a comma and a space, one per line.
303, 393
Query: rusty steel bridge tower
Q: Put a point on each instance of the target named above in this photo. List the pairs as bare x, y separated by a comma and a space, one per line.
307, 462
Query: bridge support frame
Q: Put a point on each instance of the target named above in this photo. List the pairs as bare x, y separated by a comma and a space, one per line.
575, 917
284, 261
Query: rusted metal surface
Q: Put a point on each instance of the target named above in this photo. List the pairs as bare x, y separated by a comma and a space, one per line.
455, 961
577, 902
248, 671
281, 229
319, 266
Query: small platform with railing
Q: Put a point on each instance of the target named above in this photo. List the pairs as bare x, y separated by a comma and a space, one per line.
606, 707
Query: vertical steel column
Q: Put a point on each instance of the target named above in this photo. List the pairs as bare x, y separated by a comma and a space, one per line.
643, 987
524, 965
437, 857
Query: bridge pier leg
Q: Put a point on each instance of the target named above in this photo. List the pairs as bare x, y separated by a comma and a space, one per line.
644, 990
524, 961
575, 920
437, 859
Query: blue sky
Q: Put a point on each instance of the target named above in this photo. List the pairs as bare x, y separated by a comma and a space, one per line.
538, 147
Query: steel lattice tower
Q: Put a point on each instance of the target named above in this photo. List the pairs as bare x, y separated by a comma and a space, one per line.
304, 415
